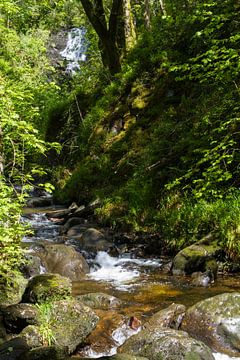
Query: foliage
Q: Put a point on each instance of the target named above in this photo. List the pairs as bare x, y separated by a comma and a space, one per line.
45, 320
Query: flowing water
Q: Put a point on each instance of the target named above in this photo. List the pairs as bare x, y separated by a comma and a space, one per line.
140, 283
75, 50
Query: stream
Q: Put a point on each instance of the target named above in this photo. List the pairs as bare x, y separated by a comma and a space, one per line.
139, 282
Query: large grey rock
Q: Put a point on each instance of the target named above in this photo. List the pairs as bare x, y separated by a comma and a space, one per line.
170, 317
197, 257
158, 343
72, 222
64, 260
46, 287
216, 321
99, 301
94, 240
17, 317
65, 323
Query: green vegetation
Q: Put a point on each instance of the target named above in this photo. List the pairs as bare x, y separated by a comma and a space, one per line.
152, 130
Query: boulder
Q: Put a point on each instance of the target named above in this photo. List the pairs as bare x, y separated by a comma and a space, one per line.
93, 240
65, 323
202, 279
216, 321
64, 260
76, 231
158, 343
46, 353
32, 266
12, 349
46, 287
72, 222
17, 317
197, 257
13, 294
99, 301
170, 317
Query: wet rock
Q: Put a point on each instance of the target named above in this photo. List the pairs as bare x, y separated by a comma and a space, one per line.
202, 279
170, 317
77, 231
17, 317
40, 201
124, 357
13, 294
45, 287
157, 343
46, 353
99, 301
72, 222
197, 257
32, 266
12, 349
93, 240
216, 321
64, 260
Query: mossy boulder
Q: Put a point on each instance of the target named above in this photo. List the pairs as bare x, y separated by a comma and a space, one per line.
170, 317
216, 321
17, 317
64, 260
46, 287
12, 294
197, 257
158, 343
99, 301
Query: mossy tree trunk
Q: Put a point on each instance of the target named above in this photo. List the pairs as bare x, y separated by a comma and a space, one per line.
117, 36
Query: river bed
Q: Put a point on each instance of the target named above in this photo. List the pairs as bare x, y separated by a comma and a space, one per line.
140, 283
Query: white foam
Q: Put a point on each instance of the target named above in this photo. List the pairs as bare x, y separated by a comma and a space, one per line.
43, 228
219, 356
119, 271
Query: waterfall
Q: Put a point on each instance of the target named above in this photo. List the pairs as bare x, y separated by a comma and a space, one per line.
75, 50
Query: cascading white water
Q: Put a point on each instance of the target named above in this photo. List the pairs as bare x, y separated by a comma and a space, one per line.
119, 271
75, 50
219, 356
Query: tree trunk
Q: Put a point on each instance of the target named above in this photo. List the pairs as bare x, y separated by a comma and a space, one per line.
108, 35
129, 28
147, 14
163, 8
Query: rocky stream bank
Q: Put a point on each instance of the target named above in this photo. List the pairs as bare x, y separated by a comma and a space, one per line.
89, 293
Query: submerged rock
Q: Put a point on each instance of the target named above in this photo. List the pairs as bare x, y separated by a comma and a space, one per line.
216, 321
99, 301
46, 287
158, 343
64, 260
170, 317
